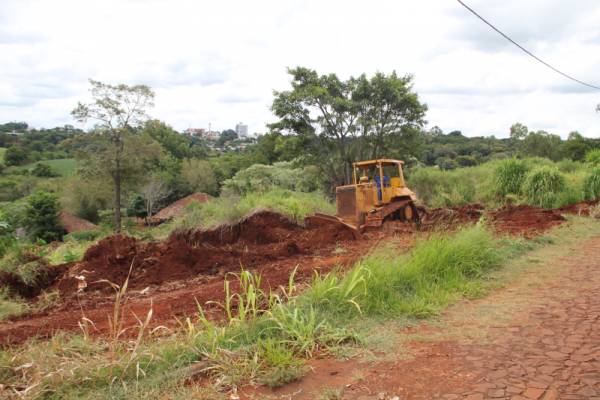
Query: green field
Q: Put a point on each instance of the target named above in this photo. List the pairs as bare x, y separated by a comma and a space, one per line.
63, 166
2, 151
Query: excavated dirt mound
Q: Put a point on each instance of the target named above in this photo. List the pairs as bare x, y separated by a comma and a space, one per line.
452, 216
582, 208
46, 275
525, 220
72, 223
260, 238
176, 209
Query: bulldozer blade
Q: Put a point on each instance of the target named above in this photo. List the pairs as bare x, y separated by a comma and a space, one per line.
319, 219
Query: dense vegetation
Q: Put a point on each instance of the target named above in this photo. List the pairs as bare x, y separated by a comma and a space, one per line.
133, 165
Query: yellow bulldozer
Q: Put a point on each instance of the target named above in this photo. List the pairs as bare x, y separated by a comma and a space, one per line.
378, 193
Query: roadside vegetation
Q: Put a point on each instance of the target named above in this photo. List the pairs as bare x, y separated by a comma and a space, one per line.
534, 181
267, 336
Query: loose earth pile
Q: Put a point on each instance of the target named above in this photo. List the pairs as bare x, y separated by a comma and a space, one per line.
189, 266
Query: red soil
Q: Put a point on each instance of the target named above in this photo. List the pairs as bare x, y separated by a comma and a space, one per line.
525, 220
582, 208
189, 267
445, 217
176, 209
185, 268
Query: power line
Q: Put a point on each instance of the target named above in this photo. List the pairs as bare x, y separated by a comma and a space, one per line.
527, 51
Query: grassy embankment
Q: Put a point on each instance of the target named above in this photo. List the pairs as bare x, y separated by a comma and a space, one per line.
227, 210
268, 337
479, 184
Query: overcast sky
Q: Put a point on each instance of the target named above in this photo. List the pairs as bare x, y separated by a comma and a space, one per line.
219, 61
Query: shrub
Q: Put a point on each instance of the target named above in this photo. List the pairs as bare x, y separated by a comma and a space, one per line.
509, 177
43, 171
436, 272
7, 239
223, 210
14, 156
198, 176
85, 236
593, 156
137, 208
591, 185
542, 185
41, 217
438, 188
263, 178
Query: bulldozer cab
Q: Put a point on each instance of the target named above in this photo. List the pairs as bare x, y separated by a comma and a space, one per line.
384, 176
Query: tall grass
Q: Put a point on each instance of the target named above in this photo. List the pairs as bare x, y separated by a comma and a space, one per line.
438, 188
591, 184
543, 185
296, 205
490, 183
509, 176
437, 271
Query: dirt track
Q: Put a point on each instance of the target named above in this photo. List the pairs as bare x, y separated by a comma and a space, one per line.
539, 338
188, 268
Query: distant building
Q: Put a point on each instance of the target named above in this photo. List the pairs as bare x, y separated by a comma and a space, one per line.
202, 133
241, 130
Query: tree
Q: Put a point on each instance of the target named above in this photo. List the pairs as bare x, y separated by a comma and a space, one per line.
118, 109
137, 208
14, 155
153, 192
42, 217
198, 176
227, 136
575, 147
43, 171
179, 146
541, 144
518, 131
341, 117
389, 113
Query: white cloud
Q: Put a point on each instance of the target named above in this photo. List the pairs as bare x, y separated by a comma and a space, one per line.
218, 62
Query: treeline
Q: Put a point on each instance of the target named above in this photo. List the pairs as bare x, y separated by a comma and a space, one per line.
323, 124
26, 145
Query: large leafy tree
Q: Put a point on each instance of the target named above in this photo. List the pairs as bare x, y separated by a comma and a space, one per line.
118, 110
518, 131
541, 144
390, 115
343, 120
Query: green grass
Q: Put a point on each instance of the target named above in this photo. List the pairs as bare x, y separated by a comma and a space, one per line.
64, 167
2, 151
268, 335
224, 210
543, 185
494, 182
435, 273
11, 306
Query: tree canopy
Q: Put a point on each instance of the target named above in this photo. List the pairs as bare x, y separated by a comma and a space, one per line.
344, 120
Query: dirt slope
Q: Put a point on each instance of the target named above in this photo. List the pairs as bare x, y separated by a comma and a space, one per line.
192, 265
72, 223
176, 209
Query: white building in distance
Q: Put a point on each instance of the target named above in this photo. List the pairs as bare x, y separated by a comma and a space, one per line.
241, 130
